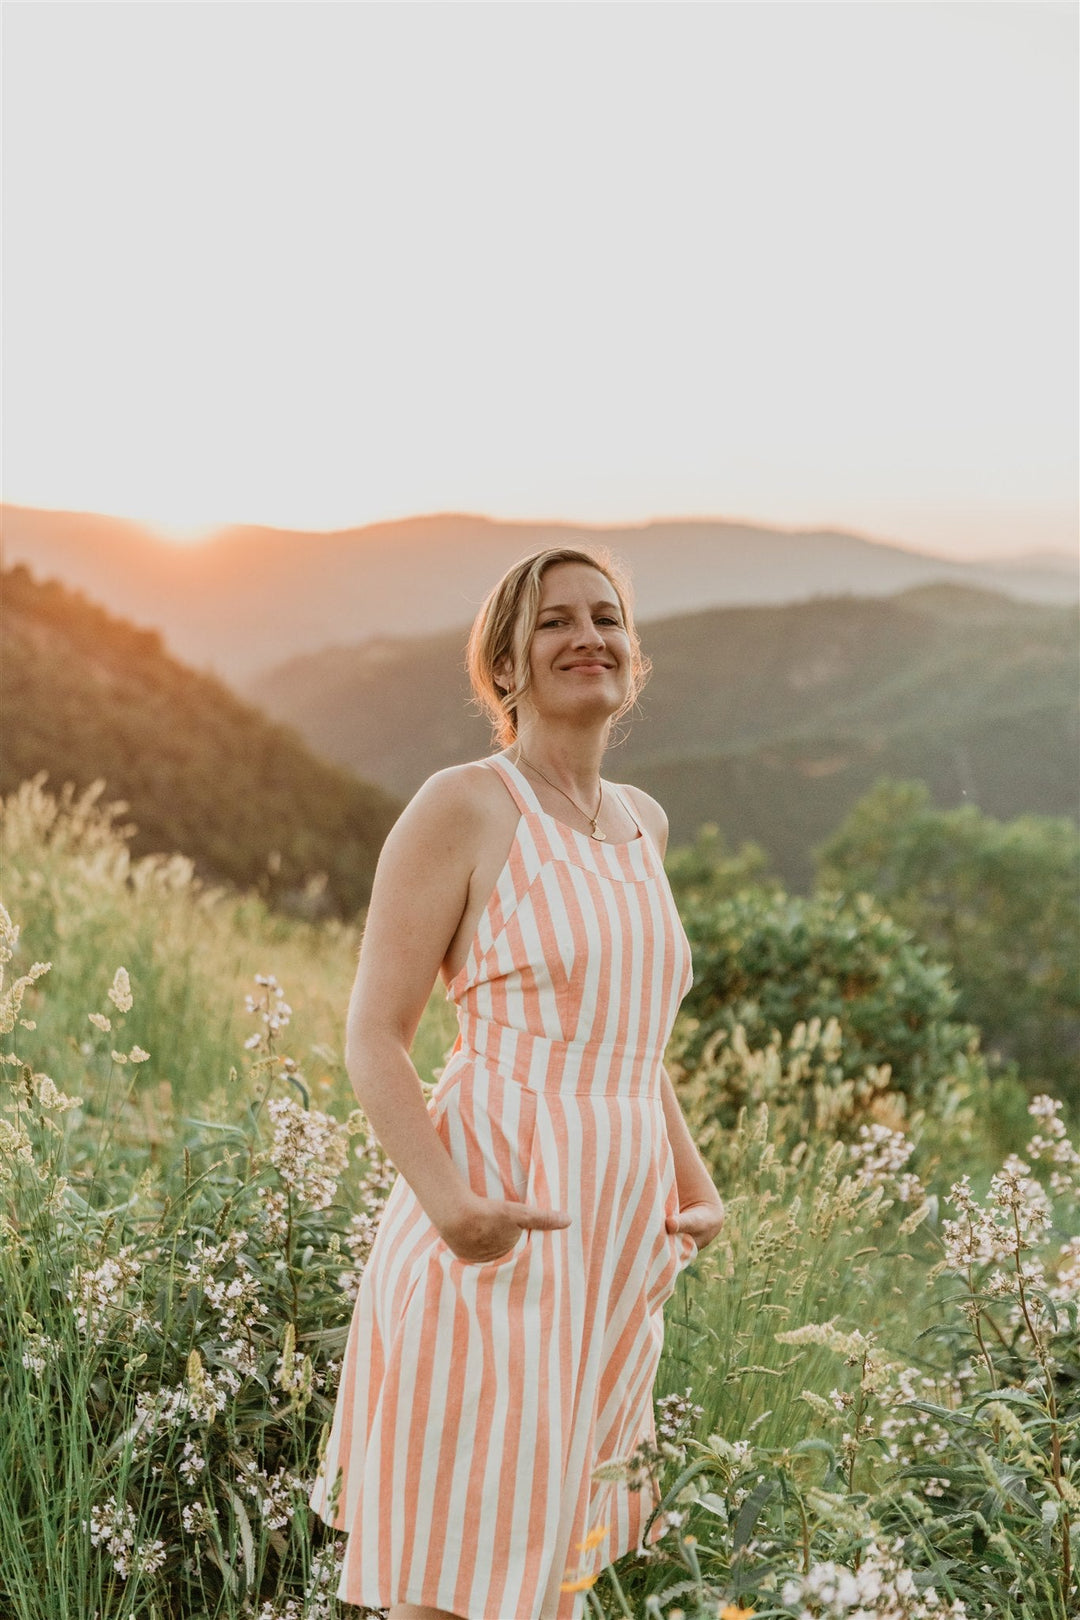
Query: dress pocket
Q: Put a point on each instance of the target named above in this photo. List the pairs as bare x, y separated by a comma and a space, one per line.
487, 1123
507, 1259
685, 1248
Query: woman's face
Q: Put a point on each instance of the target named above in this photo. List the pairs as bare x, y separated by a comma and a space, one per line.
579, 656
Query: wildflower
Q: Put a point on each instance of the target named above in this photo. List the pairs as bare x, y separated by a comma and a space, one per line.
207, 1258
594, 1538
1068, 1272
1055, 1146
880, 1154
1014, 1189
274, 1493
39, 1353
582, 1584
272, 1008
320, 1594
99, 1294
100, 1021
976, 1238
237, 1300
674, 1413
733, 1612
195, 1518
119, 992
882, 1586
191, 1463
113, 1525
137, 1055
308, 1151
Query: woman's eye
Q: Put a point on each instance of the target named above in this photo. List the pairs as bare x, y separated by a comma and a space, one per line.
553, 624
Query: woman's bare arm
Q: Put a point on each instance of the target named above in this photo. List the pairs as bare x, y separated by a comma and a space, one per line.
701, 1209
419, 895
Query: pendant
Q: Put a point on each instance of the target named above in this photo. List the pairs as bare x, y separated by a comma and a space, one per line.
601, 838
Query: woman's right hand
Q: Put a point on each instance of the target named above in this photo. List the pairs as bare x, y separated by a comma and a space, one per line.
487, 1228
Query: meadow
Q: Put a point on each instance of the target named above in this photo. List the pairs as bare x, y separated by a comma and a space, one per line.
869, 1401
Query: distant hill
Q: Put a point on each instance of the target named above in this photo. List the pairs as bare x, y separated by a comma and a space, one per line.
769, 721
249, 597
87, 695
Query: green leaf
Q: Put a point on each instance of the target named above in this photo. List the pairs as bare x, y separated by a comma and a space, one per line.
751, 1508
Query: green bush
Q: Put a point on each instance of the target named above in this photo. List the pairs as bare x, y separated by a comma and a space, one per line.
1000, 901
773, 963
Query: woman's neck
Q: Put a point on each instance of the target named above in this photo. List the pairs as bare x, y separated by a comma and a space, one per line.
570, 756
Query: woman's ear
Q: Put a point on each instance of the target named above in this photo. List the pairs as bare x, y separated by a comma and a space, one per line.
504, 674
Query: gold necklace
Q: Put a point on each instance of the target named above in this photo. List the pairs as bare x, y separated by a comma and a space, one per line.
600, 837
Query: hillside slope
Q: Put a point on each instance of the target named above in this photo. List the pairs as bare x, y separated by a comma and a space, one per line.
770, 721
248, 597
86, 695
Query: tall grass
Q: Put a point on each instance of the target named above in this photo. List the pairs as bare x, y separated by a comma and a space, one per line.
859, 1390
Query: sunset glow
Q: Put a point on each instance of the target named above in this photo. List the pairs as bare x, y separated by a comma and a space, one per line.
812, 265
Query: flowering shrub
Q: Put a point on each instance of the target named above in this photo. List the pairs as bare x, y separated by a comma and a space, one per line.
178, 1262
948, 1487
177, 1339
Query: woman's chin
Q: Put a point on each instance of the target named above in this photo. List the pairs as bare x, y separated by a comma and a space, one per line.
594, 708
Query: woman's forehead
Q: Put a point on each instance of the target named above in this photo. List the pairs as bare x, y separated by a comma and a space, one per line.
575, 579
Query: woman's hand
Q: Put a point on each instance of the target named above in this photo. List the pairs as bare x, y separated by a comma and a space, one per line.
487, 1228
702, 1219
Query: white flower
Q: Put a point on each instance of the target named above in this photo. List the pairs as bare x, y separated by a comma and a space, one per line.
119, 991
40, 1354
113, 1525
309, 1151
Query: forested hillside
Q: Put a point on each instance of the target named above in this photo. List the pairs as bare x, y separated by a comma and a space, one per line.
247, 597
88, 696
770, 721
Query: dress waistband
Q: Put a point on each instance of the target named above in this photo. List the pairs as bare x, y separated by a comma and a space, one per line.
599, 1068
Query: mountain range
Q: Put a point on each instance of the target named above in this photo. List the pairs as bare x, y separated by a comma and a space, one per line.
248, 597
770, 722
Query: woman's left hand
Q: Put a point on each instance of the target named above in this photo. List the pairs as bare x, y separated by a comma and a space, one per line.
702, 1219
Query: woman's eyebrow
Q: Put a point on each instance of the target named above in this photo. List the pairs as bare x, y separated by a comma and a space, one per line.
563, 607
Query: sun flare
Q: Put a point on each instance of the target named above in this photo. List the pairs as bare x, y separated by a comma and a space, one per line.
181, 534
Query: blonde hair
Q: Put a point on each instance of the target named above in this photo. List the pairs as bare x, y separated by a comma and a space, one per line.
503, 629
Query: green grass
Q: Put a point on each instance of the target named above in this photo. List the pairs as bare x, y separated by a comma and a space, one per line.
792, 1450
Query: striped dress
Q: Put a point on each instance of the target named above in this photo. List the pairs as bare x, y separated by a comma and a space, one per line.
477, 1399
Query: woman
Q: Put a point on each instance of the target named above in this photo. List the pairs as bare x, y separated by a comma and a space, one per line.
508, 1325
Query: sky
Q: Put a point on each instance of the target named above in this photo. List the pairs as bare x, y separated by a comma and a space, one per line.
320, 265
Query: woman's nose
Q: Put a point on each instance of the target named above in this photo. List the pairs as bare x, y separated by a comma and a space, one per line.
588, 635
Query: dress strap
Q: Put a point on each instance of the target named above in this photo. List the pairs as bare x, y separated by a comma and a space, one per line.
625, 802
516, 783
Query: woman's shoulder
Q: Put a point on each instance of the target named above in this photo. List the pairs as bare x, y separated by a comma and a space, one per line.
652, 815
462, 795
